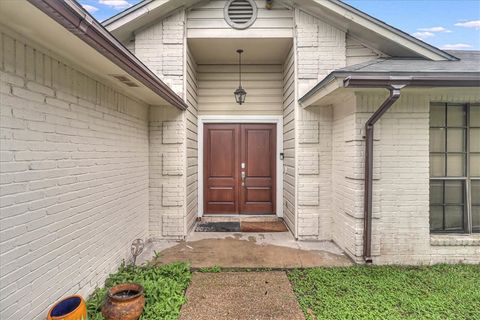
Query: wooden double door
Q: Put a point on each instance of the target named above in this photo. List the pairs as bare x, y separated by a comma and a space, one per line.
239, 168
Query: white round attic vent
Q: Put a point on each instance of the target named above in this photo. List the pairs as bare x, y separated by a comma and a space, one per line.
240, 14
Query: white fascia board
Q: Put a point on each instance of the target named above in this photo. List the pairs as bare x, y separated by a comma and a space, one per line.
128, 17
380, 29
323, 92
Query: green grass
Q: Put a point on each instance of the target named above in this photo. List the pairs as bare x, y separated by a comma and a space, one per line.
362, 292
164, 290
214, 269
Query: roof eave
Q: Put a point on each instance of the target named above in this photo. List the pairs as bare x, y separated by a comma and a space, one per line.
417, 80
424, 49
125, 12
76, 20
396, 31
325, 87
338, 80
124, 23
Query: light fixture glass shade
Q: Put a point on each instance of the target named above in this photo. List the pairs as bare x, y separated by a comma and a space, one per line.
240, 95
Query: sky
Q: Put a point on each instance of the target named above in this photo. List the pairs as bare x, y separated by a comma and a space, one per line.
447, 24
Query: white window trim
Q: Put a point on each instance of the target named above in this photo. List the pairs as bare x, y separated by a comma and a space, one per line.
278, 120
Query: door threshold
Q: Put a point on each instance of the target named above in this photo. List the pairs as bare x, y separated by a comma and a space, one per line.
238, 217
227, 215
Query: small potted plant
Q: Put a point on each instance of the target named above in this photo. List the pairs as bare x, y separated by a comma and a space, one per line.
70, 308
124, 302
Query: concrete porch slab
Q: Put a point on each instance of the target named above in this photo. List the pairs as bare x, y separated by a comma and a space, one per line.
246, 250
240, 295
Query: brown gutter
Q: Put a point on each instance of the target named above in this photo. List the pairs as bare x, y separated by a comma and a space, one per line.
76, 20
394, 84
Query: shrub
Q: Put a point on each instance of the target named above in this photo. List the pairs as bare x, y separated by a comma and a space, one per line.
164, 290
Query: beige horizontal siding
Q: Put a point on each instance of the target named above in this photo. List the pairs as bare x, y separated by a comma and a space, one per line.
207, 20
192, 141
263, 83
288, 101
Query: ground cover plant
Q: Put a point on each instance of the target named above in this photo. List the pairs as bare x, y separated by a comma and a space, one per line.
389, 292
164, 290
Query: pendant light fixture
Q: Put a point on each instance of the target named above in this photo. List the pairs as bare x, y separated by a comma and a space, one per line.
240, 93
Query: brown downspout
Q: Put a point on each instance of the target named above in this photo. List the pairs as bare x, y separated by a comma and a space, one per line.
368, 189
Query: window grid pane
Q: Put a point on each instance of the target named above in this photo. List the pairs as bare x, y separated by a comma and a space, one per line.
447, 209
475, 164
475, 115
475, 206
454, 153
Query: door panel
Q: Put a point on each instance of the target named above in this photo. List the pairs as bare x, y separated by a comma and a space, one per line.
257, 149
221, 168
222, 145
257, 192
226, 147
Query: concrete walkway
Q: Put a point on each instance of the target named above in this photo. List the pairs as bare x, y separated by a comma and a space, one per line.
246, 250
240, 295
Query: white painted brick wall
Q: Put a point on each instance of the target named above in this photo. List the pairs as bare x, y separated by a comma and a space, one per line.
308, 194
310, 164
161, 47
172, 132
346, 189
315, 168
402, 234
172, 164
172, 195
320, 50
167, 173
73, 181
308, 132
401, 186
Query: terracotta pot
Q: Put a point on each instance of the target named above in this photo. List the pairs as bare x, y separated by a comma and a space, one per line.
124, 302
70, 308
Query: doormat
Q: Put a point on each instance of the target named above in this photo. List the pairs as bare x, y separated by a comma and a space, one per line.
244, 226
263, 226
218, 227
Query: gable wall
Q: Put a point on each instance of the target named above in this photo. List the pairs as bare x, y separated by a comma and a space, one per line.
207, 20
321, 48
160, 46
356, 52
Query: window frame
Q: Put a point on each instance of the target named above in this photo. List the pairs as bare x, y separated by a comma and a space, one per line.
466, 179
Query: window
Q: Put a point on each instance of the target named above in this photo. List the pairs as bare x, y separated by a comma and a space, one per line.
454, 168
